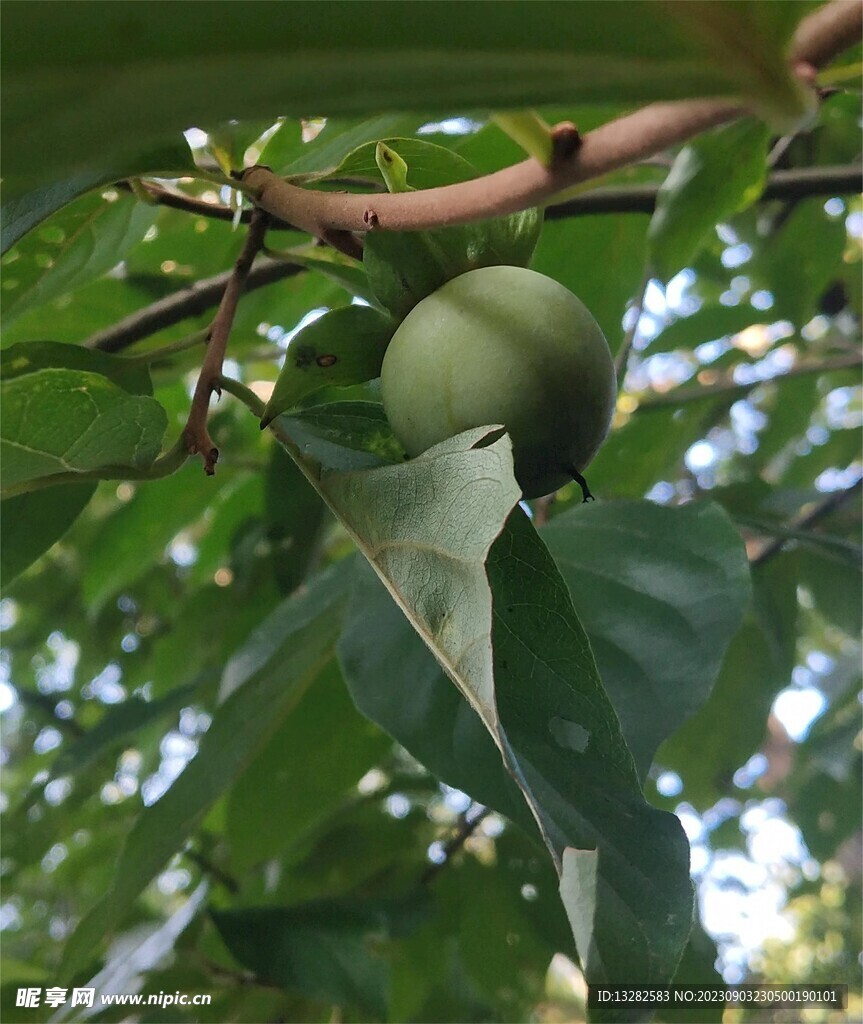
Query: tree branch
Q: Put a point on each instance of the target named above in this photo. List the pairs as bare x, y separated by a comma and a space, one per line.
678, 396
467, 827
621, 142
191, 301
196, 435
792, 184
803, 520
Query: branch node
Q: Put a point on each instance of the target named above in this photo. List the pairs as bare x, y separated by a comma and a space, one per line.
370, 219
566, 141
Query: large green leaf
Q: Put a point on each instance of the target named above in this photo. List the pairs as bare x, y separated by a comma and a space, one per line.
709, 323
72, 90
306, 770
324, 949
711, 746
23, 212
404, 267
79, 243
799, 261
33, 522
260, 686
660, 592
31, 356
601, 260
294, 516
57, 421
136, 535
712, 178
408, 521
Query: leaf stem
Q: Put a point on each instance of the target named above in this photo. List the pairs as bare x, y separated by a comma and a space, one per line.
246, 395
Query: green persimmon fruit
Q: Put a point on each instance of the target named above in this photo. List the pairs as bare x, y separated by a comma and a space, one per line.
504, 345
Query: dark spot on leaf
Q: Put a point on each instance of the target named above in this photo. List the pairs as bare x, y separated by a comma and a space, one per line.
328, 360
304, 356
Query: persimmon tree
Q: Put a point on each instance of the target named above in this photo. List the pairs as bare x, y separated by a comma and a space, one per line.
318, 729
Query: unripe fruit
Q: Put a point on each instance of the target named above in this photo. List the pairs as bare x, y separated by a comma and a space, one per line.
503, 345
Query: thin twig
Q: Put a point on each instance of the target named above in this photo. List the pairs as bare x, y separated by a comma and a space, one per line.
196, 435
191, 301
212, 869
468, 825
803, 520
195, 205
677, 396
622, 356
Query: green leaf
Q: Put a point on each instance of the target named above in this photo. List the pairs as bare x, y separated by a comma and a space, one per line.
22, 213
708, 324
344, 346
118, 723
750, 41
428, 165
78, 244
382, 658
650, 446
294, 516
306, 770
324, 949
567, 743
678, 582
260, 686
339, 137
30, 356
136, 535
580, 252
404, 267
712, 178
344, 435
834, 582
32, 523
57, 421
799, 261
711, 746
560, 741
72, 90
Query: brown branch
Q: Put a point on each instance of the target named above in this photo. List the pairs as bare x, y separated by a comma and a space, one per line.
191, 301
826, 32
678, 396
196, 435
611, 146
792, 184
803, 520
